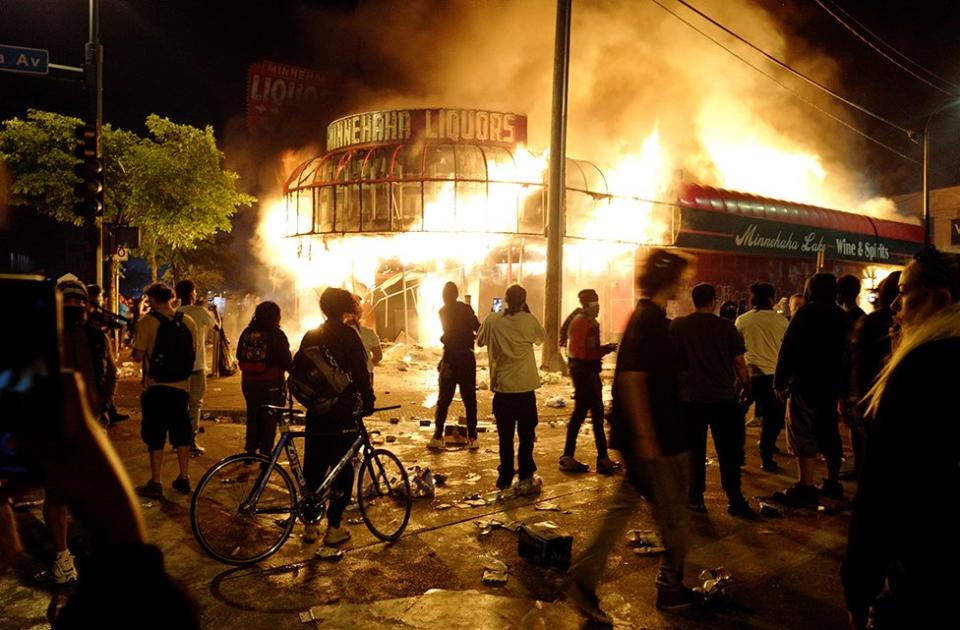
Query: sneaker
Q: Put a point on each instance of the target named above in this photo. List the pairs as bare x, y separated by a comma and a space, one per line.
740, 508
196, 450
181, 485
831, 489
607, 466
770, 465
587, 601
336, 536
150, 490
677, 599
473, 444
569, 464
529, 486
63, 568
798, 495
310, 534
436, 444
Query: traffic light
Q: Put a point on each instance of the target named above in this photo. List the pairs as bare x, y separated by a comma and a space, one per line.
90, 171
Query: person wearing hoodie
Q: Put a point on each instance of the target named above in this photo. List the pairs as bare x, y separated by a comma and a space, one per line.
902, 550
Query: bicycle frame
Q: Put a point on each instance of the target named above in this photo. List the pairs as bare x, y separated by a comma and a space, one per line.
285, 444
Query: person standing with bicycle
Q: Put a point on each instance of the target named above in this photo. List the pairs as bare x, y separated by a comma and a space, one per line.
321, 452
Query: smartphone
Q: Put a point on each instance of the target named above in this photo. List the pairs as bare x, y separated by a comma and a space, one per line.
30, 393
497, 305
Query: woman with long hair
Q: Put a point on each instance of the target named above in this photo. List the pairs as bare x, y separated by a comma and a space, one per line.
900, 566
263, 353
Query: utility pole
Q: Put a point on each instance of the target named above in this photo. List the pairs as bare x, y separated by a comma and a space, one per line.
93, 80
551, 358
926, 182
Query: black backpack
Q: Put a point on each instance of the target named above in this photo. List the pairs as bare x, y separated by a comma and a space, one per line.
317, 382
174, 352
252, 351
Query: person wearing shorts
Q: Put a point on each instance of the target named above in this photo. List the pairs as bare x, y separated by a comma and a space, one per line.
165, 406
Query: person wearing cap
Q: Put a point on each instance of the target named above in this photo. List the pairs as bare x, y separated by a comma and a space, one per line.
87, 351
509, 337
165, 405
584, 353
322, 452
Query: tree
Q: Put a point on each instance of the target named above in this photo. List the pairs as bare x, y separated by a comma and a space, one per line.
171, 185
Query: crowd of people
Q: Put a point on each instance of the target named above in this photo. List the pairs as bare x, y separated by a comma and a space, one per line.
885, 376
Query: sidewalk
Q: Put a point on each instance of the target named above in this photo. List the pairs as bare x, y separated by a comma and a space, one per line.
785, 569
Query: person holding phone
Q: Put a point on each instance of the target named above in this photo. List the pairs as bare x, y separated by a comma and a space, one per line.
509, 338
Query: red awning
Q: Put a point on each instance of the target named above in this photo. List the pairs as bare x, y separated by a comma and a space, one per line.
745, 204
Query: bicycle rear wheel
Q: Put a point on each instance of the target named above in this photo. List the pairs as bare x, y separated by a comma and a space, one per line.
232, 532
383, 494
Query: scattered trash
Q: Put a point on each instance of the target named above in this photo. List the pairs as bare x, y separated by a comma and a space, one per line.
550, 378
222, 419
439, 479
769, 509
495, 572
710, 461
513, 526
645, 541
391, 439
545, 544
547, 507
425, 422
147, 504
328, 553
376, 441
472, 478
483, 384
394, 420
715, 582
454, 435
228, 480
487, 526
354, 521
423, 484
476, 502
557, 402
442, 506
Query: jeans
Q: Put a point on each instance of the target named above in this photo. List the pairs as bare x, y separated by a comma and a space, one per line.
459, 370
515, 413
664, 483
724, 420
198, 387
261, 423
588, 396
772, 411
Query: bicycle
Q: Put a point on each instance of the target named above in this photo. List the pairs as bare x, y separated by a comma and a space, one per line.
245, 506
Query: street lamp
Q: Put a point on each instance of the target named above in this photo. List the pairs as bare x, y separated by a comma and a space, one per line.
926, 167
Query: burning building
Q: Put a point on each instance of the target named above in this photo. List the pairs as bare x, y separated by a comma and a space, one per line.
404, 200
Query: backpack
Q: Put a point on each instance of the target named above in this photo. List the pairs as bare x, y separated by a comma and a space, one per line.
317, 382
173, 352
252, 351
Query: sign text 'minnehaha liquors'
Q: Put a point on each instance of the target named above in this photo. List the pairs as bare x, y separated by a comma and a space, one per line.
438, 125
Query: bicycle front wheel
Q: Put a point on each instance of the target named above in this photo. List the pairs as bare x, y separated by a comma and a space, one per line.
232, 528
383, 494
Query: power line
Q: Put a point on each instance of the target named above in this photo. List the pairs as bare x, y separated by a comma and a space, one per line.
793, 92
797, 73
882, 53
894, 50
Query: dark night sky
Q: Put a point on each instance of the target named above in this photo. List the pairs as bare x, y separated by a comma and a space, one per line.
187, 59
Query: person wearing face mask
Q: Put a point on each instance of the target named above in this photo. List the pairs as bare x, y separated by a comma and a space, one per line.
900, 566
87, 351
584, 353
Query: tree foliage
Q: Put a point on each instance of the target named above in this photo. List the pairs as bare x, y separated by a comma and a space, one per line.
170, 184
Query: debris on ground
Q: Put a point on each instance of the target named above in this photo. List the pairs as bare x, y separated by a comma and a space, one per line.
545, 545
425, 422
547, 507
394, 420
328, 553
424, 486
551, 378
495, 571
557, 402
769, 509
439, 479
488, 525
645, 541
472, 477
443, 506
391, 438
354, 521
483, 384
715, 582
